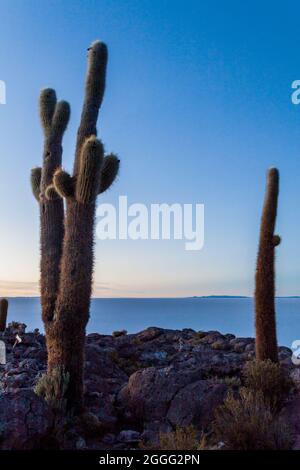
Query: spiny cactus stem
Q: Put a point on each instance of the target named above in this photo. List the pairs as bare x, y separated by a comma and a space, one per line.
265, 322
3, 314
90, 171
109, 172
94, 91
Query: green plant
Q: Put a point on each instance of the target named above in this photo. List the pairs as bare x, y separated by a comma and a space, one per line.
3, 313
67, 237
53, 388
246, 422
117, 334
270, 379
265, 321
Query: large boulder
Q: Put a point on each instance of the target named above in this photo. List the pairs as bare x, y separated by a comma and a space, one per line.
25, 420
195, 404
178, 396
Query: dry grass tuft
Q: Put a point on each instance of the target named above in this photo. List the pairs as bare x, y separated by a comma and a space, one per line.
270, 379
247, 423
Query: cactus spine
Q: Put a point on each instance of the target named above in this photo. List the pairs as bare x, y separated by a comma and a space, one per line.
265, 323
3, 314
67, 237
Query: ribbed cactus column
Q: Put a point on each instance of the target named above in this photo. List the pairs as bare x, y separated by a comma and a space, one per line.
54, 119
266, 338
73, 302
70, 294
3, 314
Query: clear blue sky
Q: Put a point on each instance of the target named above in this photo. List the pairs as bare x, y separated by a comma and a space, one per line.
197, 106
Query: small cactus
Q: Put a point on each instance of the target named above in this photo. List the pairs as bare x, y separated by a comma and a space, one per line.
265, 321
3, 314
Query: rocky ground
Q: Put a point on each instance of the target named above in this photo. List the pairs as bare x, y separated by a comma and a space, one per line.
136, 385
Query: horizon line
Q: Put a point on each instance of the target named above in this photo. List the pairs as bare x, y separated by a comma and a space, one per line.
216, 296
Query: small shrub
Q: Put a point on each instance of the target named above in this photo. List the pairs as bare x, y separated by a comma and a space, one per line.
203, 442
136, 341
117, 334
196, 339
247, 423
53, 387
183, 438
217, 345
220, 345
233, 381
268, 378
128, 365
201, 334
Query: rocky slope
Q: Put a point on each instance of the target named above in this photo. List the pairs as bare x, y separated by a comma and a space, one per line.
136, 385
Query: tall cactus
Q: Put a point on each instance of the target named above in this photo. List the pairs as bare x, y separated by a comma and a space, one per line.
67, 238
3, 314
265, 323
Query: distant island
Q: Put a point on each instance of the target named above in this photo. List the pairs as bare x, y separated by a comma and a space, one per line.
239, 297
219, 297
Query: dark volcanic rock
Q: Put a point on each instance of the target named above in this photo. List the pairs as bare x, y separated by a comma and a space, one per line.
25, 420
195, 404
150, 391
135, 386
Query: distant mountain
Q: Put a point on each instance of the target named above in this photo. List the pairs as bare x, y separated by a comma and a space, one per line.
288, 297
239, 297
220, 297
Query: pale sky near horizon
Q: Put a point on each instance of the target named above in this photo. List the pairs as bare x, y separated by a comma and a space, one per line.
198, 106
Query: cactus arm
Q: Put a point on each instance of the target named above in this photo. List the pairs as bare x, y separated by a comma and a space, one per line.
47, 108
276, 240
109, 172
60, 120
36, 175
265, 321
90, 171
54, 118
53, 142
51, 194
64, 183
94, 91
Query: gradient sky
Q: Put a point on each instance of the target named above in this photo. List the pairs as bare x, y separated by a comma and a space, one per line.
198, 106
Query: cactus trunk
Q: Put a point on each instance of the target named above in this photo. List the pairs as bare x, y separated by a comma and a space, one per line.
3, 314
66, 341
265, 323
